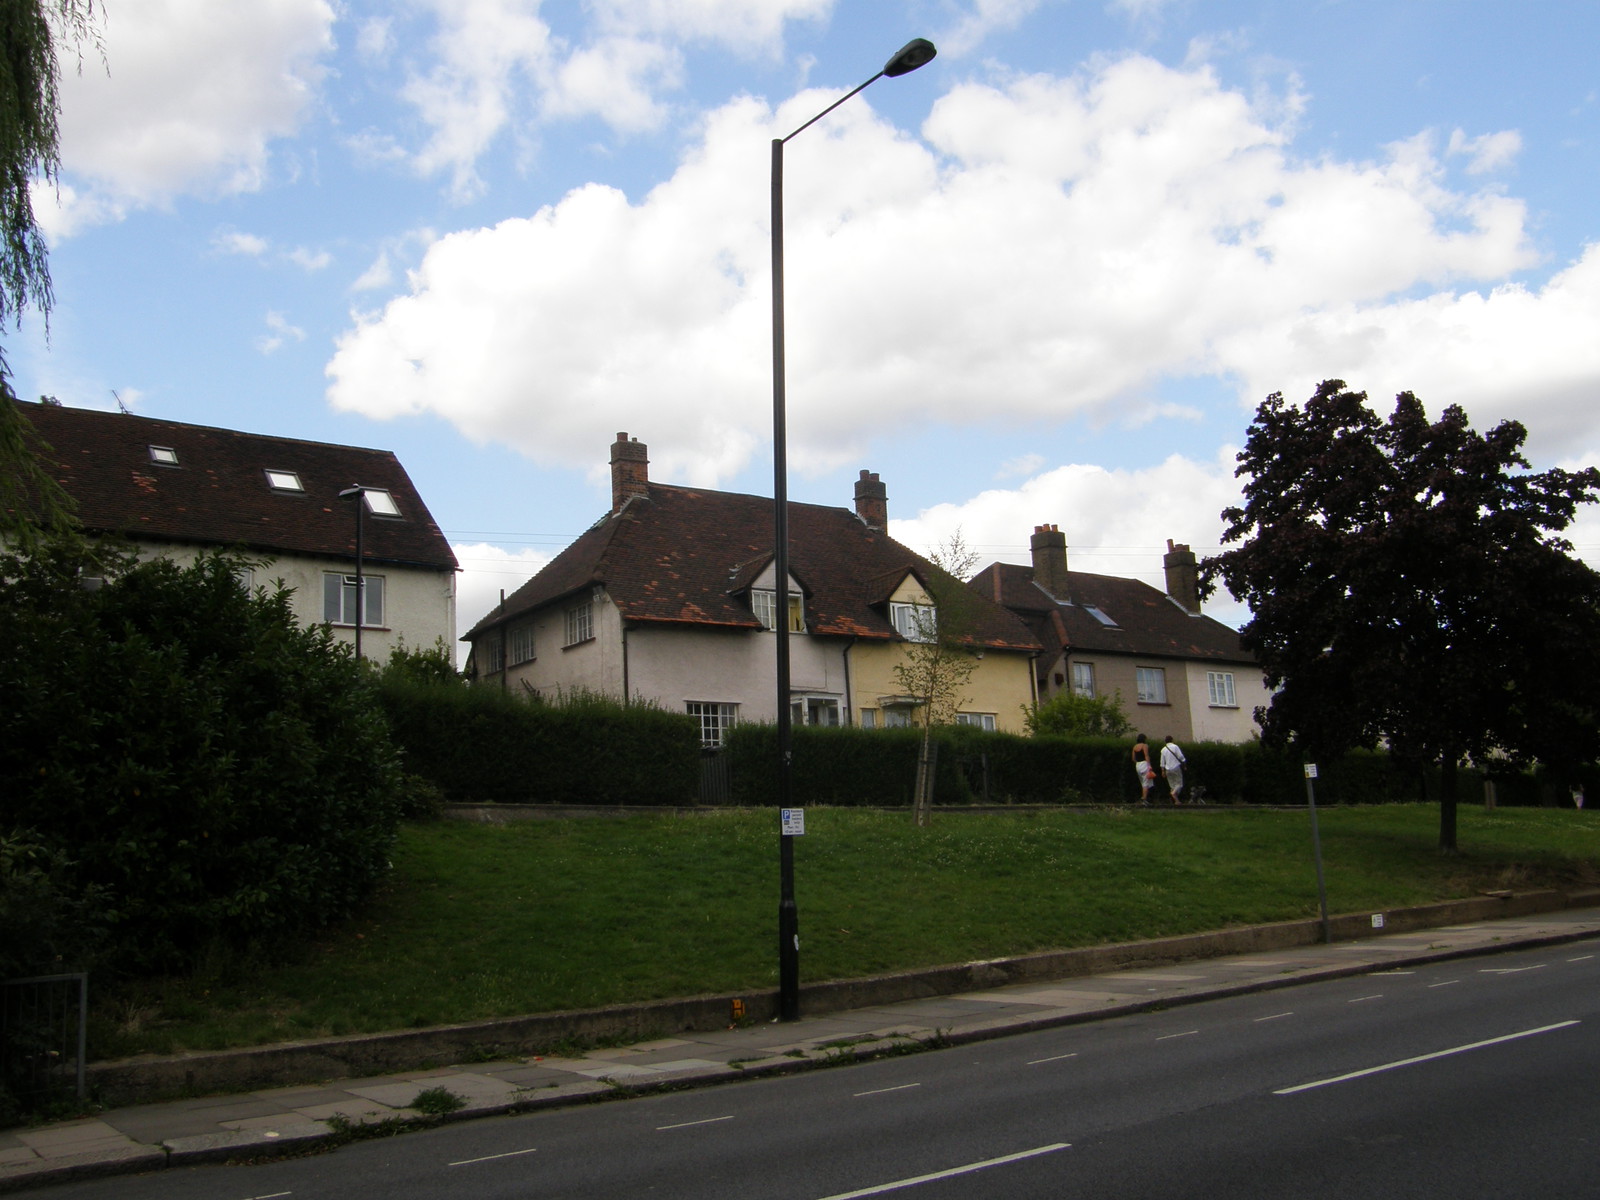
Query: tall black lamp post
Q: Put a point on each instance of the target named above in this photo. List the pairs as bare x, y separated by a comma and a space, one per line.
912, 55
359, 495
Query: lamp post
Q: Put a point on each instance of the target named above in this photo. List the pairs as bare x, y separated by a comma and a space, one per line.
912, 55
359, 495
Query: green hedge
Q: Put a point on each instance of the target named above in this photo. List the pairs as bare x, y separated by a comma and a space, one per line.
878, 767
479, 744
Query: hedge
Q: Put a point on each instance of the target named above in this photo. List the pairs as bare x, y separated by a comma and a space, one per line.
479, 744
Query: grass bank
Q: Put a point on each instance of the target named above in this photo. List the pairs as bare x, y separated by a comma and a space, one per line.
482, 921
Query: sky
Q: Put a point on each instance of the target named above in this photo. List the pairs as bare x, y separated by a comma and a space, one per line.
1045, 279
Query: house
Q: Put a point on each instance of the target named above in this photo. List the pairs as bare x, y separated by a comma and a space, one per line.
1178, 671
177, 490
670, 597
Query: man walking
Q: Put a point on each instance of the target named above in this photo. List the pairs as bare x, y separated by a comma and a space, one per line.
1172, 761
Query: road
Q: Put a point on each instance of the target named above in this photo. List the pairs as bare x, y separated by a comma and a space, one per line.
1467, 1079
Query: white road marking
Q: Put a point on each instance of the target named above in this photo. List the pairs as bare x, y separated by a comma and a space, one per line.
1273, 1017
1057, 1058
1581, 958
1509, 970
1359, 999
1421, 1058
1446, 983
466, 1162
881, 1091
952, 1173
1169, 1036
1394, 972
270, 1196
691, 1124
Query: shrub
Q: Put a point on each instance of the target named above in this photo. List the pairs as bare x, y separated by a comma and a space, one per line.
1072, 715
221, 772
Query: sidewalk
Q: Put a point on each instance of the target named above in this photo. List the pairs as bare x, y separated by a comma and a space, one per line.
288, 1119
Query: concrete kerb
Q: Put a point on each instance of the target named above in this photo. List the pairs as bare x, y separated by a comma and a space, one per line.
145, 1079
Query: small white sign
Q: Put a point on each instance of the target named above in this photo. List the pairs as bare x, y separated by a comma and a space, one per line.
1377, 920
794, 821
1311, 770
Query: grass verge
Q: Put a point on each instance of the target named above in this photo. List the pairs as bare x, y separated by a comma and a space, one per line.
486, 921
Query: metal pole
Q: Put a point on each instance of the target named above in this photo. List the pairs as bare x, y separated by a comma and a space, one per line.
1316, 846
788, 911
361, 586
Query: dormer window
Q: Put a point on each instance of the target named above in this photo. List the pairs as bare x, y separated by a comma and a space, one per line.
764, 603
380, 503
915, 622
164, 456
284, 481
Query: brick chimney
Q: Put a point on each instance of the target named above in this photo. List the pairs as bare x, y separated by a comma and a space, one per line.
1183, 577
630, 470
872, 501
1049, 546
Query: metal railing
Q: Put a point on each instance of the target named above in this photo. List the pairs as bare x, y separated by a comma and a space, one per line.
44, 1036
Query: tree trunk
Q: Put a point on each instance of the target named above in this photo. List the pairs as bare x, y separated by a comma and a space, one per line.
1447, 802
922, 797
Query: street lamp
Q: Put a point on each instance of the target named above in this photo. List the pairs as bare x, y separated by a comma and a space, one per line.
359, 495
915, 53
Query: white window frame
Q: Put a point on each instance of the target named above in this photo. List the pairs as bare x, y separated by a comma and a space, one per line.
716, 717
380, 502
580, 623
1220, 689
1151, 683
915, 622
494, 656
1083, 679
338, 605
805, 709
519, 644
983, 721
284, 481
764, 603
164, 456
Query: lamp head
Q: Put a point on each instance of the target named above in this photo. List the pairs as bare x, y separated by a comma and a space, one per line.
918, 52
350, 492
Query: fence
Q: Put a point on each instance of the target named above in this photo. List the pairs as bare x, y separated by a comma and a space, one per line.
43, 1034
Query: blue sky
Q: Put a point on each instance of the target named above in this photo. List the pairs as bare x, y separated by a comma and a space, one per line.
1045, 279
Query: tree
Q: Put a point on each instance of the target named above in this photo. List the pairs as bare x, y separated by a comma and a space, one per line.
30, 34
209, 768
1408, 587
938, 660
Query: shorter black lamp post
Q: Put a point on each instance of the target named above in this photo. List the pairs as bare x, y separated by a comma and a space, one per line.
359, 495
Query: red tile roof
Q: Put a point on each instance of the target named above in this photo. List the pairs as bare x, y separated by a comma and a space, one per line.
688, 555
218, 493
1148, 621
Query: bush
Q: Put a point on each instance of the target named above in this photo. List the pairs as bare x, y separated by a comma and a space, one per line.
220, 772
1072, 715
478, 743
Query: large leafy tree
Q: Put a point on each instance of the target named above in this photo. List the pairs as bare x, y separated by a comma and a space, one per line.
32, 33
1409, 587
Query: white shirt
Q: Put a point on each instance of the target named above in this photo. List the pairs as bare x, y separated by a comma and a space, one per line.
1171, 757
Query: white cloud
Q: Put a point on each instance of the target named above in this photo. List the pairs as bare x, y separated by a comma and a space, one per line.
309, 260
1026, 464
248, 245
1489, 153
1055, 249
280, 331
616, 79
738, 24
189, 98
984, 18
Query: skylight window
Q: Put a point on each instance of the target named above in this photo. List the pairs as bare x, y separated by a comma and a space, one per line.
284, 481
1099, 616
380, 503
165, 456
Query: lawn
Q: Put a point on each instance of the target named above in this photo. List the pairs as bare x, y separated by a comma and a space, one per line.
483, 921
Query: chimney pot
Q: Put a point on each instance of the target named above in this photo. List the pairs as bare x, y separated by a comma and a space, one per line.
1049, 546
872, 501
1183, 576
630, 470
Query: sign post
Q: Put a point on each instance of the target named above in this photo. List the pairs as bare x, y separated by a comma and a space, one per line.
1316, 846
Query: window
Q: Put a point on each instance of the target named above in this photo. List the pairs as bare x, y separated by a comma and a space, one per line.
339, 600
1219, 685
764, 603
1100, 616
983, 721
285, 481
896, 718
164, 456
246, 577
494, 655
1083, 679
869, 718
1152, 684
521, 645
814, 710
915, 622
380, 503
715, 720
580, 623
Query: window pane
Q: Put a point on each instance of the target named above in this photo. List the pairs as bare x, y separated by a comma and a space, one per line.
580, 623
333, 599
374, 589
284, 481
1152, 685
765, 606
522, 644
1220, 686
1083, 679
381, 503
715, 720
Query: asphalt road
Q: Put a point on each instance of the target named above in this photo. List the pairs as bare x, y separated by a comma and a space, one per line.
1474, 1078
